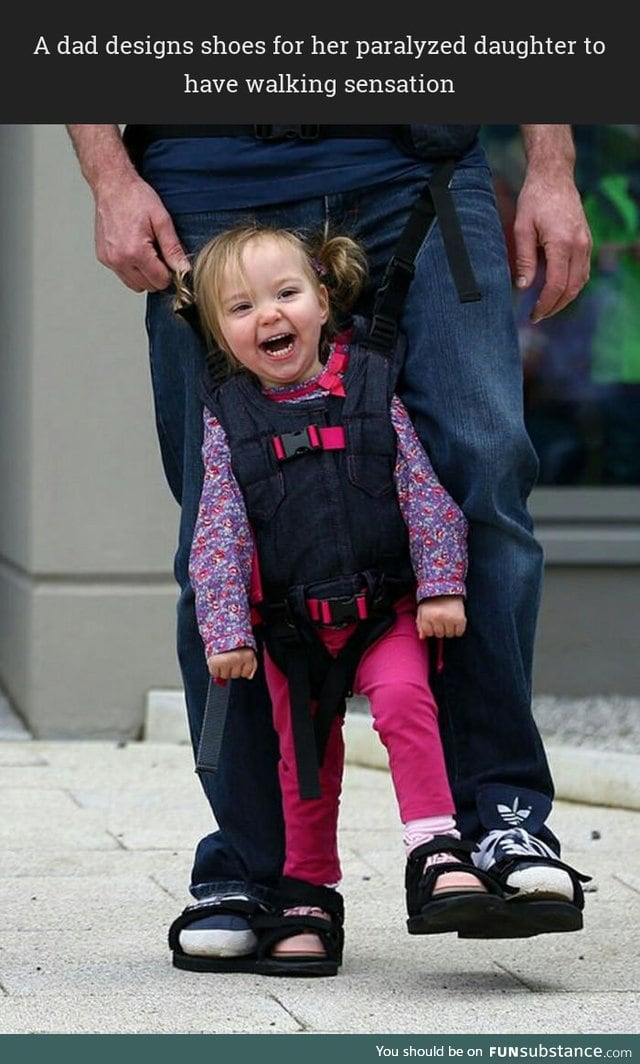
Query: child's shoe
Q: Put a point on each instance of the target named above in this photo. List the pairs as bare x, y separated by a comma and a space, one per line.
305, 937
306, 944
445, 891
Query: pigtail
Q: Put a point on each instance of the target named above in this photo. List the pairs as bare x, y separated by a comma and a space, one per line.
343, 268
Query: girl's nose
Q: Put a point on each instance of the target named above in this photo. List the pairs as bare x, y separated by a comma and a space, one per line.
269, 312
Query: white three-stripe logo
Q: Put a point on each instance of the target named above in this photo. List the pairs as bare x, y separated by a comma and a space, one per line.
515, 815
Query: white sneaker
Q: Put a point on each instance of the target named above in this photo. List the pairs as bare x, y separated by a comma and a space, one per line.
505, 854
223, 934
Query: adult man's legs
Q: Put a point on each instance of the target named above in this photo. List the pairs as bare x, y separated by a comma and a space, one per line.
462, 383
243, 858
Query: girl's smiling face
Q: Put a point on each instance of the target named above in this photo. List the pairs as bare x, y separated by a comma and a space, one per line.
271, 313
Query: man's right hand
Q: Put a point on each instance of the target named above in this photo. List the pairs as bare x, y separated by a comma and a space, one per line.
135, 236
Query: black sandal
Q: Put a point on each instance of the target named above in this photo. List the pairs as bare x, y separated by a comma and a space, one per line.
277, 927
527, 916
464, 911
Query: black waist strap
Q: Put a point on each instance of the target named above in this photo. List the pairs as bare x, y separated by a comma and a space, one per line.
138, 138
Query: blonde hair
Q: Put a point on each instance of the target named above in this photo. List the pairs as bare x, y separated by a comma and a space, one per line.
337, 262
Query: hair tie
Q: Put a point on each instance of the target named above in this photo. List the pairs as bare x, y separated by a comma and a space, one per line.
319, 268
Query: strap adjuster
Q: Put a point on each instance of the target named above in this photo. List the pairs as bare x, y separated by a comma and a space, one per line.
383, 331
389, 301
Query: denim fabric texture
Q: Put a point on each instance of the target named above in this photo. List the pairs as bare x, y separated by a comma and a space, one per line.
462, 384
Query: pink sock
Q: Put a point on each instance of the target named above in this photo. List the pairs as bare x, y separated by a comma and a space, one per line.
418, 831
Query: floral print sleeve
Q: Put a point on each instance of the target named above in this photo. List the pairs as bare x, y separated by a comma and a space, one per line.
220, 565
437, 527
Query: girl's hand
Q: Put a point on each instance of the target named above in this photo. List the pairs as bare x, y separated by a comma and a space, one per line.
442, 616
233, 664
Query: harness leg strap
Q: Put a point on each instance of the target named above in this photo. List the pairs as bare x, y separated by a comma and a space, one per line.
215, 716
340, 675
304, 741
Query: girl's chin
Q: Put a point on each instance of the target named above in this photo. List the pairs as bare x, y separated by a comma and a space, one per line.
288, 371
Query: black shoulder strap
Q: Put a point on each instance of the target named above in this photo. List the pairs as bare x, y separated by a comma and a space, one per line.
435, 200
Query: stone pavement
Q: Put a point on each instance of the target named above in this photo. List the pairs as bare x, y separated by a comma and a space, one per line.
96, 841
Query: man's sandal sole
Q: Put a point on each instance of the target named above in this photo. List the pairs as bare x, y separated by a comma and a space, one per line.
189, 962
524, 919
298, 969
455, 913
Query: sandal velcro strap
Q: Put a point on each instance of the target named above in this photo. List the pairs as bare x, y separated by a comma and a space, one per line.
420, 882
504, 869
275, 927
293, 892
443, 844
202, 910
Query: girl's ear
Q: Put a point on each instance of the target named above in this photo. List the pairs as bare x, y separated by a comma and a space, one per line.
323, 300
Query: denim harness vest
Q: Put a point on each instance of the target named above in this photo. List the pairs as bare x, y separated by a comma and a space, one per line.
319, 514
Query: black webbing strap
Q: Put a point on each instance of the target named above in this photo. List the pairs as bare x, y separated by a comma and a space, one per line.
213, 722
304, 740
216, 361
340, 675
454, 243
435, 200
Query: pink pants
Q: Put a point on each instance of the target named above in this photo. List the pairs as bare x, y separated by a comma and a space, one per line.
393, 675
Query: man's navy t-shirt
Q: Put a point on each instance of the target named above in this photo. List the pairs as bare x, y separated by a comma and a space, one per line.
216, 173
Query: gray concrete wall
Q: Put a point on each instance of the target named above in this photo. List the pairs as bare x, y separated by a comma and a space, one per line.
588, 630
88, 528
87, 525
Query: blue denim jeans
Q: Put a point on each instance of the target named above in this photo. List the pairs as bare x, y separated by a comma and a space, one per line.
462, 383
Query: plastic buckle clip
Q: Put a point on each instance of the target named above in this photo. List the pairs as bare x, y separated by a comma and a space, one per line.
345, 610
295, 443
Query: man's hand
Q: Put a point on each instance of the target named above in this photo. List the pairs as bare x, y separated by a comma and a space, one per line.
442, 617
233, 664
134, 234
550, 219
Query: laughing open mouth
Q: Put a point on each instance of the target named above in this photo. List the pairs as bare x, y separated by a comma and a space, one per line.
278, 345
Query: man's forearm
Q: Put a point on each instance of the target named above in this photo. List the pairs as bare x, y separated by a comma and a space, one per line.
102, 155
549, 148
